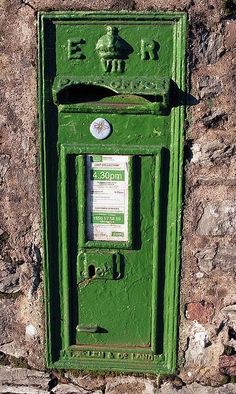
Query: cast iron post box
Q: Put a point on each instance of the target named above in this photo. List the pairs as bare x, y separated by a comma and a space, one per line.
112, 110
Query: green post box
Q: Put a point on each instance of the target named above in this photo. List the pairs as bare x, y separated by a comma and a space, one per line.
111, 114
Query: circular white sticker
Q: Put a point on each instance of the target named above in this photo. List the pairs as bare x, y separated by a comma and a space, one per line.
100, 128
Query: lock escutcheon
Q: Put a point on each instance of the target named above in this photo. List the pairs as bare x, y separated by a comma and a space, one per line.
100, 266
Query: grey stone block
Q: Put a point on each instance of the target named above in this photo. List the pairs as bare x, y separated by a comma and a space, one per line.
218, 218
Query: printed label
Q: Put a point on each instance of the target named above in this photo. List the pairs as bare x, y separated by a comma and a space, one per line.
107, 198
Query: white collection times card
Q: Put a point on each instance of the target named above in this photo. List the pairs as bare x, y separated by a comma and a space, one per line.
107, 197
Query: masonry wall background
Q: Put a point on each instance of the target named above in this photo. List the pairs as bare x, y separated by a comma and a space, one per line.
207, 347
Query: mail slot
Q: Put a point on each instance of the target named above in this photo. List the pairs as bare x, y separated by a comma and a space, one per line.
111, 118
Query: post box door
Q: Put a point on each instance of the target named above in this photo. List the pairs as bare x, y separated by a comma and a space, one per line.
115, 285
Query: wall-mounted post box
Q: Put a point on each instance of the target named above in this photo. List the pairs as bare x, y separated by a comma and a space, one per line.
112, 110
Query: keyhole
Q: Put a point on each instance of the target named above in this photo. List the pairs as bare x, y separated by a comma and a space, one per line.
91, 271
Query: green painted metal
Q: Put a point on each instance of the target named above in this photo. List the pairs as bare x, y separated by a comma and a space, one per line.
112, 305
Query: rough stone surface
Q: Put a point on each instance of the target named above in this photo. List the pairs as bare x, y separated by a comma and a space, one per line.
212, 152
215, 119
230, 33
196, 388
221, 258
4, 165
209, 86
200, 311
198, 341
218, 219
72, 389
24, 381
129, 386
227, 365
206, 259
87, 382
226, 259
208, 263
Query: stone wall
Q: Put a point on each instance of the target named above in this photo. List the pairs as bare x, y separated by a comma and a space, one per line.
207, 347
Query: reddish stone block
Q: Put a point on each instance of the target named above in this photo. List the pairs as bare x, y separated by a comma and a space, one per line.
200, 311
227, 365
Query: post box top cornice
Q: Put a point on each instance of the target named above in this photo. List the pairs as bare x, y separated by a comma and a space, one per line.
144, 15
